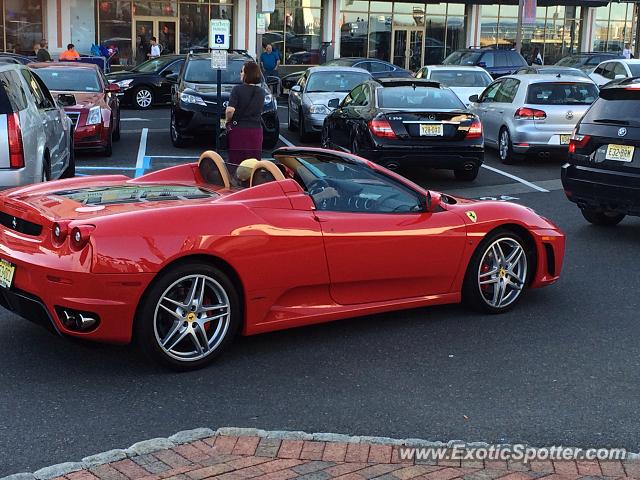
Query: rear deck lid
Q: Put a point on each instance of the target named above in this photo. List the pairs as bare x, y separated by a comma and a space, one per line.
563, 102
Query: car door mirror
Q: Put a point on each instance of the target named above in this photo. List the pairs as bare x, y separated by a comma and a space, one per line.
334, 103
113, 88
296, 88
474, 98
66, 100
482, 64
619, 76
172, 77
425, 203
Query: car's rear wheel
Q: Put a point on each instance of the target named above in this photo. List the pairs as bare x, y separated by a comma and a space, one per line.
505, 148
497, 274
108, 149
467, 175
188, 316
177, 139
601, 218
116, 132
143, 98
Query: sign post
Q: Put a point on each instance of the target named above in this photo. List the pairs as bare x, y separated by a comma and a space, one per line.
219, 33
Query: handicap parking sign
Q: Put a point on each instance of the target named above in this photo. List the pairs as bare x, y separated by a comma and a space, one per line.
219, 40
219, 33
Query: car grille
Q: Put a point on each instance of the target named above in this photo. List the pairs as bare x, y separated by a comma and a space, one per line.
20, 225
74, 116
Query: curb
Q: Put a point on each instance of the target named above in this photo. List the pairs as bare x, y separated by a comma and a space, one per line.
187, 436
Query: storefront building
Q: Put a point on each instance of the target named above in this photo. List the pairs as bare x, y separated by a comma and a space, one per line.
407, 33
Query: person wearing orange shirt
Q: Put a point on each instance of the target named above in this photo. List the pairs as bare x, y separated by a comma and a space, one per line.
70, 53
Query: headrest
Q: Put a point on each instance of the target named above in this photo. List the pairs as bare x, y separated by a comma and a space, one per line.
245, 169
213, 170
264, 172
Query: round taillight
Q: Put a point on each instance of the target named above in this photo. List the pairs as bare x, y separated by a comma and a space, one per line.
80, 236
59, 232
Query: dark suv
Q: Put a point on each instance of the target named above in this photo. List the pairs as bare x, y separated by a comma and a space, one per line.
497, 62
193, 104
587, 60
603, 173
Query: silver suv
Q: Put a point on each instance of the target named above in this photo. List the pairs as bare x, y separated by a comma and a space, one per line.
36, 136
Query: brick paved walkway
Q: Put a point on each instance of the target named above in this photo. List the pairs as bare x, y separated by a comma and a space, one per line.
237, 457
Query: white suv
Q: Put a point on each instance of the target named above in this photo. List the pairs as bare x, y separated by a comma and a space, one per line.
36, 136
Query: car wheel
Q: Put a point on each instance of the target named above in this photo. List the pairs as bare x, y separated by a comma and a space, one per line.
497, 274
601, 218
325, 142
292, 127
116, 132
467, 175
143, 98
108, 149
355, 146
304, 135
505, 148
46, 170
188, 316
177, 139
70, 171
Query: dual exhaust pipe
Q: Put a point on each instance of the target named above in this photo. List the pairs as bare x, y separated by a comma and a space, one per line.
77, 321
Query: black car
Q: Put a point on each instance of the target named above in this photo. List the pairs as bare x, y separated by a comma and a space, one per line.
498, 62
377, 68
14, 58
193, 104
587, 60
602, 175
148, 83
402, 122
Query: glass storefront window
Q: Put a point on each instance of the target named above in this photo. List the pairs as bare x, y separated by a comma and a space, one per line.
155, 9
354, 34
82, 23
114, 26
194, 27
613, 28
380, 36
2, 49
23, 25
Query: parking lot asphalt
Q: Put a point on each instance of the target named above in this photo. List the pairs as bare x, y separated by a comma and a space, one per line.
560, 369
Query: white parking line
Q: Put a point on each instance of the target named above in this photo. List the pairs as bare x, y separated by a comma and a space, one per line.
135, 120
517, 179
286, 142
142, 149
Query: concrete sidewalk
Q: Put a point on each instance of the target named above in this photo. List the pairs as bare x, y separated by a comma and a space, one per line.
241, 453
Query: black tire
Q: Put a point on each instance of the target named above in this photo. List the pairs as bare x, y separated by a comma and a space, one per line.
304, 135
70, 171
108, 149
116, 132
355, 146
602, 218
46, 169
325, 142
467, 175
177, 139
292, 127
140, 93
505, 153
472, 292
145, 323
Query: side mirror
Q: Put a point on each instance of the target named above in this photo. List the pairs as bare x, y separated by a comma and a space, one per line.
482, 64
619, 76
296, 88
474, 99
113, 88
66, 100
172, 77
426, 203
334, 103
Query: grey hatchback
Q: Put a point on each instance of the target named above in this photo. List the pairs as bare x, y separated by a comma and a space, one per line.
36, 136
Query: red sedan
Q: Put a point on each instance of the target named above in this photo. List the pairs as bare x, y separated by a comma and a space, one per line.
89, 100
183, 259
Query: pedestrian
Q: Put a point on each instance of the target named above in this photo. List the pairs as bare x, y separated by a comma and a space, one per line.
70, 53
536, 57
244, 117
155, 48
42, 54
626, 52
270, 61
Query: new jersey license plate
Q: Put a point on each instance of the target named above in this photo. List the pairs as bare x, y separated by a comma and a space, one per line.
620, 153
7, 269
430, 129
564, 139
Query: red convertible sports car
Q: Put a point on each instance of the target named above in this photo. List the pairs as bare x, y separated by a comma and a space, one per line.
183, 259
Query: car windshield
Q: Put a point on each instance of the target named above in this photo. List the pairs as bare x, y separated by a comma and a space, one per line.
70, 79
335, 81
419, 97
562, 93
461, 78
342, 62
153, 65
200, 71
616, 106
462, 58
564, 71
572, 61
635, 69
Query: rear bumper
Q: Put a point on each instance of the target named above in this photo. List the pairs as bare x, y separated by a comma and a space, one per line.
602, 189
10, 178
450, 158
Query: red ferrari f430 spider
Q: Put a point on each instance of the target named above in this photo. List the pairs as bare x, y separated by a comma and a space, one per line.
185, 258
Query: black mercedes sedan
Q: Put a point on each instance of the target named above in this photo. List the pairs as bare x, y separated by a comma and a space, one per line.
194, 108
602, 175
407, 122
148, 83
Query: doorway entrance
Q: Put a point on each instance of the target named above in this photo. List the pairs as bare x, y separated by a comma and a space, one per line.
408, 47
164, 29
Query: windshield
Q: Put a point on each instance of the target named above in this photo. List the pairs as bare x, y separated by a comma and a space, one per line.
462, 58
342, 62
562, 93
200, 71
153, 65
572, 61
419, 97
563, 71
70, 79
335, 81
460, 78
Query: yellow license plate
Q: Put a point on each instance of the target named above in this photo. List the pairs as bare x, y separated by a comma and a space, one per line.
620, 153
7, 270
564, 139
223, 123
430, 129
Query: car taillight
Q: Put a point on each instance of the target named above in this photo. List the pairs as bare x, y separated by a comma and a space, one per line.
381, 128
16, 151
475, 130
80, 236
524, 113
578, 141
59, 231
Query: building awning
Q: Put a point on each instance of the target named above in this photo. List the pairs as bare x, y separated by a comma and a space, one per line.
541, 3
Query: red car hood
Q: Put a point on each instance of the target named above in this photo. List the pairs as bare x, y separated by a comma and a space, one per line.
84, 99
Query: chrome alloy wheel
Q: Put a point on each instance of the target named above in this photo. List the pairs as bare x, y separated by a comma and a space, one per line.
192, 318
503, 272
143, 98
503, 147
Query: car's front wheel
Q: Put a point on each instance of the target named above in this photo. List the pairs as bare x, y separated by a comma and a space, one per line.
497, 274
304, 135
601, 218
177, 139
325, 142
188, 316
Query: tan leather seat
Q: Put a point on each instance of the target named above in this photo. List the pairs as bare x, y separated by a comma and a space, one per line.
264, 172
213, 169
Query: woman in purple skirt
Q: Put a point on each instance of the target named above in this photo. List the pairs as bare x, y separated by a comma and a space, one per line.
244, 116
